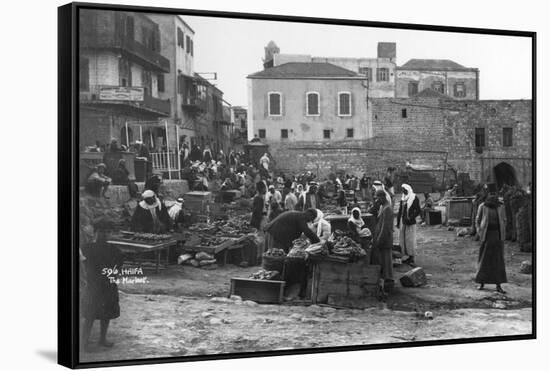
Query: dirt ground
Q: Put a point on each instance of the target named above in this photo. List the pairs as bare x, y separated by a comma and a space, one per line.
183, 310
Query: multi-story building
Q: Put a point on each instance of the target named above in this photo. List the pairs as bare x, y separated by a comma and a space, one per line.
197, 105
443, 76
120, 67
301, 101
240, 130
177, 40
379, 72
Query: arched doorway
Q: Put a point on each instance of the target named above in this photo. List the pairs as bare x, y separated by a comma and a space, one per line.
504, 174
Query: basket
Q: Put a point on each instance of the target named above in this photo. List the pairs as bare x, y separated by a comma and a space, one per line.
273, 263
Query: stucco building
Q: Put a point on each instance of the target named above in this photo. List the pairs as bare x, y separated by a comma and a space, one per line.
444, 76
120, 66
299, 101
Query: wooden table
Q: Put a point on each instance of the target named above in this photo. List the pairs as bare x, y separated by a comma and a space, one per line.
232, 243
129, 246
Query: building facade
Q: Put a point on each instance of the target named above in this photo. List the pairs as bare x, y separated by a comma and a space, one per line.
307, 101
441, 75
119, 70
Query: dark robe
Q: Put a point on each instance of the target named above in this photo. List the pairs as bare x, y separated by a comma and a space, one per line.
121, 177
289, 226
491, 266
408, 216
383, 242
100, 296
257, 211
142, 220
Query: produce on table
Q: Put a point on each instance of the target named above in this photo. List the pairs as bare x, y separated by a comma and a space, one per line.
265, 275
200, 256
298, 249
275, 252
151, 237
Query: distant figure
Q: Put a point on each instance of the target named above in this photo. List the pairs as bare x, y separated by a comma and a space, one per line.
259, 212
428, 206
383, 238
264, 162
291, 200
409, 210
490, 224
365, 187
196, 154
322, 226
388, 181
121, 177
207, 155
98, 183
142, 150
275, 210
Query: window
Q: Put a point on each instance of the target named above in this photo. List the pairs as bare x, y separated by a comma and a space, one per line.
312, 104
180, 38
438, 87
130, 27
188, 42
349, 133
192, 47
84, 75
480, 137
326, 134
180, 84
507, 134
460, 90
284, 133
261, 133
367, 71
160, 84
382, 74
413, 88
404, 113
243, 123
274, 104
344, 104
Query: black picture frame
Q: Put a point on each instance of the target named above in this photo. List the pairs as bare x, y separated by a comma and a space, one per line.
68, 126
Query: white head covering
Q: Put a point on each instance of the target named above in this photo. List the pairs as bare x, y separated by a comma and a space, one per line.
358, 222
409, 197
148, 194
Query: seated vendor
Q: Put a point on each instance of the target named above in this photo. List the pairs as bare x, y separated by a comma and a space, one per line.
357, 228
289, 226
151, 215
97, 182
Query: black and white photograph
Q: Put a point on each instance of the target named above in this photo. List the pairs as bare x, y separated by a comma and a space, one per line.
250, 185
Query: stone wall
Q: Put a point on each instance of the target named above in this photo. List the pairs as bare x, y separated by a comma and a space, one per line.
432, 131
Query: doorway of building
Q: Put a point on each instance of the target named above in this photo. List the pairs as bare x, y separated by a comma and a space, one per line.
505, 174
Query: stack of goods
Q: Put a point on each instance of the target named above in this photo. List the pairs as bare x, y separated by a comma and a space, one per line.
262, 274
149, 237
234, 227
298, 249
343, 246
273, 260
199, 259
319, 248
213, 240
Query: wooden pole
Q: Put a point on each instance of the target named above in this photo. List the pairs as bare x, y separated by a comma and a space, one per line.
167, 150
127, 137
178, 151
140, 134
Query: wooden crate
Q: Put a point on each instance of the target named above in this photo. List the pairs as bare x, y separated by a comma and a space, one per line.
358, 279
433, 217
260, 291
459, 208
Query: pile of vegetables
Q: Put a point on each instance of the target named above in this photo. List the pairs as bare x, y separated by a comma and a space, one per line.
150, 237
298, 249
275, 252
265, 275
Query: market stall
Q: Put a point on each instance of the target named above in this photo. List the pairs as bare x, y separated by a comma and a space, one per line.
137, 245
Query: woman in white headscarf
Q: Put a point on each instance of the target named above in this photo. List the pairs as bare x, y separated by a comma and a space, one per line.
356, 225
322, 226
409, 210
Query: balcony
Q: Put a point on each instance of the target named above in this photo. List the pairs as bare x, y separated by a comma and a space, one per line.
133, 100
128, 47
194, 105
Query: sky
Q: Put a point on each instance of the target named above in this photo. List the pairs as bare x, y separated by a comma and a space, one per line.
234, 48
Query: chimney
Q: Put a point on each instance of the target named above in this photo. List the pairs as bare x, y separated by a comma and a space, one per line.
387, 50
